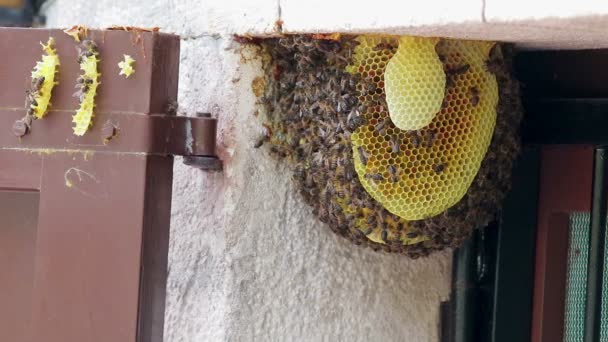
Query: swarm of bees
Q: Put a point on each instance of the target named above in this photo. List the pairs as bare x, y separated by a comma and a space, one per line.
86, 49
312, 107
38, 96
25, 123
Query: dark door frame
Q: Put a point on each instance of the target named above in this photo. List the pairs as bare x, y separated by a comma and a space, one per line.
566, 111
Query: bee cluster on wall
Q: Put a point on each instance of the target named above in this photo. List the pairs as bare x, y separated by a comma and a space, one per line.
319, 103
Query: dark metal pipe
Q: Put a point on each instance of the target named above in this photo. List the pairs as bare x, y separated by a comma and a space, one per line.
597, 236
463, 292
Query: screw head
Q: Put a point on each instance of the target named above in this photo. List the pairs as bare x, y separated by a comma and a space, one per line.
108, 131
20, 128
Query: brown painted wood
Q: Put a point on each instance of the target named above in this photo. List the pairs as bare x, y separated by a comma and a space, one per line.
89, 248
157, 198
99, 258
19, 213
555, 276
19, 170
101, 246
565, 187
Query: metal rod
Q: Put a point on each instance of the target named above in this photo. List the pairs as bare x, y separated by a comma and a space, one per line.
597, 236
463, 292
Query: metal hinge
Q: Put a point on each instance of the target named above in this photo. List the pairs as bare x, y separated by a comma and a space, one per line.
203, 161
190, 137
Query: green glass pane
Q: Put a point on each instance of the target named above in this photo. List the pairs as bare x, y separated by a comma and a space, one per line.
576, 282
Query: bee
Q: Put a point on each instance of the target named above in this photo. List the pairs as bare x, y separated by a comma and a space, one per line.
411, 235
27, 97
431, 136
356, 122
89, 44
79, 95
263, 137
383, 46
170, 108
368, 231
492, 66
493, 63
395, 144
259, 141
371, 220
332, 163
299, 173
340, 192
349, 175
354, 119
416, 140
27, 119
86, 54
449, 82
474, 96
340, 172
303, 59
451, 73
362, 155
384, 235
309, 182
369, 88
322, 213
458, 70
351, 82
393, 171
380, 126
376, 177
439, 168
400, 225
37, 83
336, 208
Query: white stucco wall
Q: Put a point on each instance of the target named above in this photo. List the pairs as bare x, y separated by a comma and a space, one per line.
248, 261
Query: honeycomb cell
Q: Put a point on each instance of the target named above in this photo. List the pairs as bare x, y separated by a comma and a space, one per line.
433, 167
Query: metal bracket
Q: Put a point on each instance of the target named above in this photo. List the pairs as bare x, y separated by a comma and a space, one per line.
119, 133
204, 162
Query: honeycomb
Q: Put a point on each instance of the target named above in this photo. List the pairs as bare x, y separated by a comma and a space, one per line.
319, 103
421, 173
88, 82
44, 74
414, 83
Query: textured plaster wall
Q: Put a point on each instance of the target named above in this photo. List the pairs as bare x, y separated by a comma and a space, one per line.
248, 261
